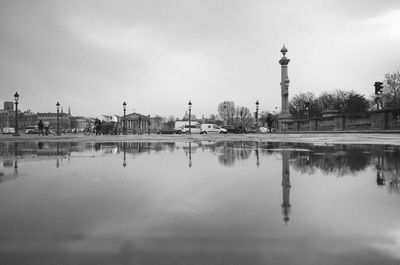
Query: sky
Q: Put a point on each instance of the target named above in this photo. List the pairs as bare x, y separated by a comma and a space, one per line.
156, 55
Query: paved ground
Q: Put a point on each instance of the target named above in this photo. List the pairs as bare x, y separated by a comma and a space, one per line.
316, 138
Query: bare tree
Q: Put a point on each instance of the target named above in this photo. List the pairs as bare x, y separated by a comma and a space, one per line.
304, 105
169, 122
243, 116
226, 110
391, 91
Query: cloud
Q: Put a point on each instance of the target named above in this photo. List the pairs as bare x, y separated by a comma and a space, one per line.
93, 55
390, 244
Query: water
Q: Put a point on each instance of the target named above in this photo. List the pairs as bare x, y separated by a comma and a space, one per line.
199, 203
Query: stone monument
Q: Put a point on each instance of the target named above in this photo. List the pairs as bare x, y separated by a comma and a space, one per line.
284, 117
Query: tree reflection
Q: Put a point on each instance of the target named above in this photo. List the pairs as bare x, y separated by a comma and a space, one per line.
231, 152
338, 160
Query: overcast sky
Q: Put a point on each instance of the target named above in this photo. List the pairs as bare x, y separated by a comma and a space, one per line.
158, 54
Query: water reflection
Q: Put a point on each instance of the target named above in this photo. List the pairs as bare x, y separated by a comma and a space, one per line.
15, 159
340, 160
124, 163
133, 202
190, 154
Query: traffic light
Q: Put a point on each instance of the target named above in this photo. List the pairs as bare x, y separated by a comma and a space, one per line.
378, 88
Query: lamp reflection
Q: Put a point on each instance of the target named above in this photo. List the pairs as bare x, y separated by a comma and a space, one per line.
380, 173
58, 153
16, 159
190, 154
257, 154
124, 148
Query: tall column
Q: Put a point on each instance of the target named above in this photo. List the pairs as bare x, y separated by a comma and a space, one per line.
284, 83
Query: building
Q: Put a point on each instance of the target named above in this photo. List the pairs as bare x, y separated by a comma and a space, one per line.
136, 123
78, 122
51, 118
8, 105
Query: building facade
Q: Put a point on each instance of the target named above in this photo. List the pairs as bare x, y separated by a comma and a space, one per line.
9, 105
51, 118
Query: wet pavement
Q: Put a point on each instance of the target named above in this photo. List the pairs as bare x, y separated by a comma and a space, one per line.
316, 138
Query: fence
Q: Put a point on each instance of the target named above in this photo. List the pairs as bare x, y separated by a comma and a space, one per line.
388, 119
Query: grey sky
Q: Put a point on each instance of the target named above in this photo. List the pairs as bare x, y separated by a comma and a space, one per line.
156, 55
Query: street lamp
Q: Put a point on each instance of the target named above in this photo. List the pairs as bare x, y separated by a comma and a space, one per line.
257, 113
148, 124
124, 123
58, 119
225, 114
16, 97
190, 110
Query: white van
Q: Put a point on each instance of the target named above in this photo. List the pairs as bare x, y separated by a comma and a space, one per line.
8, 130
180, 124
212, 128
193, 129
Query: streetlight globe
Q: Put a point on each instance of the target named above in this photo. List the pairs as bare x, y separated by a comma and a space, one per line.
124, 105
16, 96
190, 104
58, 106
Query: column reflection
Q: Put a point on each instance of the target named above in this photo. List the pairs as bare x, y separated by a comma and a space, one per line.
286, 207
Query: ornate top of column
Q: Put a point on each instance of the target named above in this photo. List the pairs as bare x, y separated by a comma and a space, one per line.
284, 50
284, 60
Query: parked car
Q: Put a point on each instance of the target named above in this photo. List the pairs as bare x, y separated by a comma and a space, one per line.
8, 130
32, 130
193, 129
234, 129
251, 130
265, 130
212, 128
169, 131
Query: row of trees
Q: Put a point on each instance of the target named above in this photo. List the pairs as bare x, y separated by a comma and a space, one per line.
227, 112
304, 105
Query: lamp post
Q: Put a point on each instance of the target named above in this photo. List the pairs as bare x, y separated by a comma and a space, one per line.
124, 123
190, 110
225, 114
257, 114
16, 98
58, 118
148, 124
